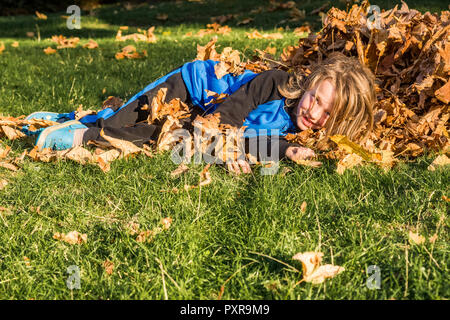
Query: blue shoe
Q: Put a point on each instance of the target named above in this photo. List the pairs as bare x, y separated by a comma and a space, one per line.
60, 136
53, 116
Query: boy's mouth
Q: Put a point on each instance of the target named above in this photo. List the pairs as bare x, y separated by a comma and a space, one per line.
306, 122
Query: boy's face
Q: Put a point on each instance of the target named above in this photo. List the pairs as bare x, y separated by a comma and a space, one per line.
315, 106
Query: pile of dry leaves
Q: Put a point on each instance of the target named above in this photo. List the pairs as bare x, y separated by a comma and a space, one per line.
409, 53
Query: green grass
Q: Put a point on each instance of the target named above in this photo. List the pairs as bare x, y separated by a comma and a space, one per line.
222, 230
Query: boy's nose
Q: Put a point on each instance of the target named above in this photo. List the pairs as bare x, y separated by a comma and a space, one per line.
315, 113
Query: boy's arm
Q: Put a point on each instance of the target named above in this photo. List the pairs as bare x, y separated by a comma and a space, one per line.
261, 89
267, 148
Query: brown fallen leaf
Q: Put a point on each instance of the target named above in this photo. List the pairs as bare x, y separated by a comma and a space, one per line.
3, 183
41, 16
182, 168
440, 161
309, 163
12, 133
8, 166
73, 237
416, 238
126, 147
348, 162
92, 44
303, 207
312, 270
49, 50
433, 238
166, 222
4, 152
79, 154
109, 266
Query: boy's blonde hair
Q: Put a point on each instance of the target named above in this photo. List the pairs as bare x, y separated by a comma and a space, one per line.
355, 96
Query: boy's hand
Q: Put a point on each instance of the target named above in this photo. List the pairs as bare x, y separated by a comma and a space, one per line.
236, 166
299, 153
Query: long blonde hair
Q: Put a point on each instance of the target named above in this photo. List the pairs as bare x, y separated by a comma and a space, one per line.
355, 97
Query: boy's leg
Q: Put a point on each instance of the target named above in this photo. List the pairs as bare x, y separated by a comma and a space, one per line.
138, 134
132, 113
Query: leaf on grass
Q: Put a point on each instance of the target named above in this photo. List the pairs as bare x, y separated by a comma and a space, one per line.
303, 207
179, 170
4, 152
40, 16
416, 238
166, 222
440, 161
92, 44
352, 147
348, 162
3, 183
312, 270
309, 163
2, 47
109, 266
63, 42
12, 133
49, 50
15, 44
79, 154
73, 237
130, 52
433, 238
8, 166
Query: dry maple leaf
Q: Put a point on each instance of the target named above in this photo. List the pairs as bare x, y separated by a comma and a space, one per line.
312, 270
73, 237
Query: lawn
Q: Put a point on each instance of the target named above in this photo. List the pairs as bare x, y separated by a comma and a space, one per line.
234, 238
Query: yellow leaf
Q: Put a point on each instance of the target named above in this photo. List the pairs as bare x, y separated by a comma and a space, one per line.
352, 147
